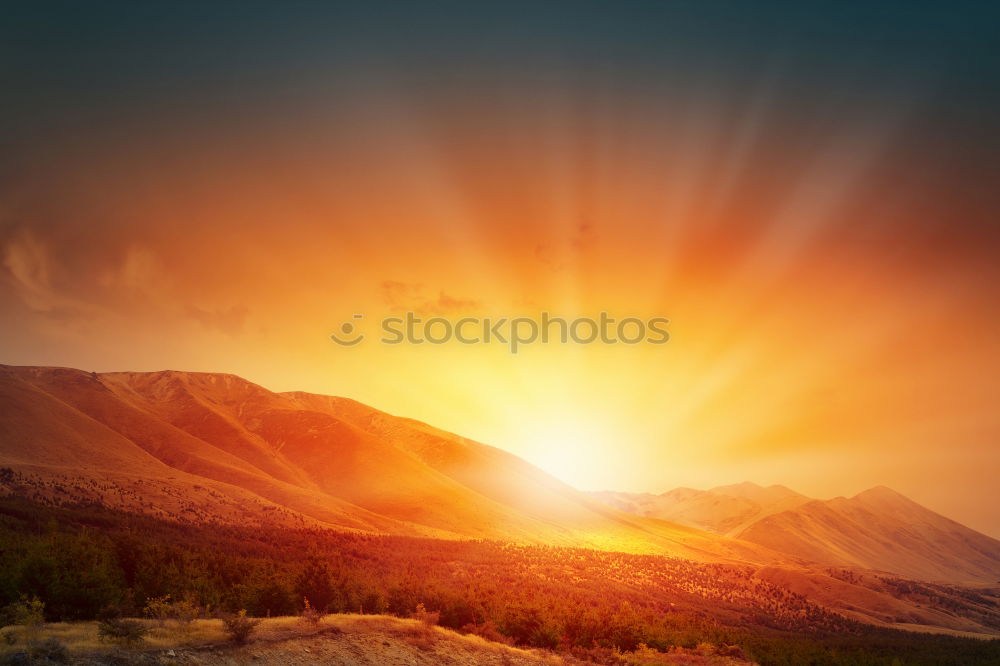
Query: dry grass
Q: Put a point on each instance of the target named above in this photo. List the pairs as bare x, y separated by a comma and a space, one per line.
81, 638
378, 632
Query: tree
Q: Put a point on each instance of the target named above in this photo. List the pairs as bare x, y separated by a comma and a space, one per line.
314, 584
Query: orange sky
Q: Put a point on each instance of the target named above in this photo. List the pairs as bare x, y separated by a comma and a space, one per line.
827, 269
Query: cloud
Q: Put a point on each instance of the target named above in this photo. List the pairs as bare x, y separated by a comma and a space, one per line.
229, 320
583, 237
451, 304
101, 290
559, 255
27, 262
410, 297
139, 274
30, 270
401, 295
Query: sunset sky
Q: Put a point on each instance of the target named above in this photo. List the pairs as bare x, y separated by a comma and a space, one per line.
809, 194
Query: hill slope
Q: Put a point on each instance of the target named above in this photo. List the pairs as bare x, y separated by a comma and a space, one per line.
205, 446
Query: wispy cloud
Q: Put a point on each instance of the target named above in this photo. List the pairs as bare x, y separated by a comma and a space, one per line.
230, 321
411, 297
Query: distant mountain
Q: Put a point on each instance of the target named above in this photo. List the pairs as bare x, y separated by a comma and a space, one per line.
878, 529
215, 447
723, 510
881, 529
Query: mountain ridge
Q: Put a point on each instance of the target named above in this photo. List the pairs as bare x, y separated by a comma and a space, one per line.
326, 461
876, 529
215, 446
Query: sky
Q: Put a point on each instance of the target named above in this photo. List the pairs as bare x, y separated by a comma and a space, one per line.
807, 191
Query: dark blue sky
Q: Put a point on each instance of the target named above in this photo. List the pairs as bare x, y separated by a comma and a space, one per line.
79, 76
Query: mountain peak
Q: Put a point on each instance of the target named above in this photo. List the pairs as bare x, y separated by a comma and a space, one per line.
756, 492
747, 485
884, 499
881, 493
682, 492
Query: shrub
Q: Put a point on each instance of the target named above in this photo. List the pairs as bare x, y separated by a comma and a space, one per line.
429, 618
158, 608
29, 613
162, 609
734, 651
51, 649
310, 614
185, 612
239, 627
122, 631
487, 630
422, 636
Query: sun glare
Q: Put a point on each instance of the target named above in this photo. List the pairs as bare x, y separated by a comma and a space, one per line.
572, 450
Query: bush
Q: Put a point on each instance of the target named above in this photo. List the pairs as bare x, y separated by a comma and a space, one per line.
28, 612
429, 618
162, 609
185, 612
422, 636
158, 608
487, 630
310, 614
734, 651
51, 649
122, 631
239, 627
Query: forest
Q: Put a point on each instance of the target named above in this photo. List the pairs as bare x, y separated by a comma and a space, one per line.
86, 561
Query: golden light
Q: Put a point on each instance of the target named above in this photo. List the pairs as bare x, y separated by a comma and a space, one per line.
573, 448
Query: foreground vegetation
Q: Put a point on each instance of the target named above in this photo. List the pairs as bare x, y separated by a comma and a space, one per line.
85, 563
329, 639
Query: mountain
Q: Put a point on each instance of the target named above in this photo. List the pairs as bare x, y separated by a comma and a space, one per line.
215, 447
883, 530
724, 510
878, 529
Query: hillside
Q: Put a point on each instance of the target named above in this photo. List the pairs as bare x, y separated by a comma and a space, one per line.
208, 447
540, 596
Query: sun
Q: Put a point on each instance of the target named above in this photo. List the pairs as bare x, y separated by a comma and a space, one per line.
574, 450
